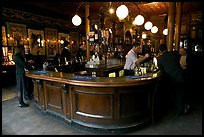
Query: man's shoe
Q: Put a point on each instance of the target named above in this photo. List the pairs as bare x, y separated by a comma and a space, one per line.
23, 105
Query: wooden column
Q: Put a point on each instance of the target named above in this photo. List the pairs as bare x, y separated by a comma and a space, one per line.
114, 32
123, 32
178, 24
87, 31
170, 25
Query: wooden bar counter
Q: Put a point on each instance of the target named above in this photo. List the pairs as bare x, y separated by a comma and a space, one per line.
96, 102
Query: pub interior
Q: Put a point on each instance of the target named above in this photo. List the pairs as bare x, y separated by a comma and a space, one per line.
90, 88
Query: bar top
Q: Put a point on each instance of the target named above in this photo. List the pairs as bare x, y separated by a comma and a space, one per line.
80, 80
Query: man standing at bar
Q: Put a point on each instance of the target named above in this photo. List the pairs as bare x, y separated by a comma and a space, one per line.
171, 71
132, 59
21, 68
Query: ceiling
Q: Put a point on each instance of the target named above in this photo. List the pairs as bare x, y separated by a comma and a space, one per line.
153, 11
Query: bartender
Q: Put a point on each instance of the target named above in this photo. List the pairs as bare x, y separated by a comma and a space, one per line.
132, 59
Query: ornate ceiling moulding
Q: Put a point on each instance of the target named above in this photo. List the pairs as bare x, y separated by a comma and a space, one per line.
28, 18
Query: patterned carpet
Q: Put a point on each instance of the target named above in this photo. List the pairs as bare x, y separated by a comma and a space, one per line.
29, 121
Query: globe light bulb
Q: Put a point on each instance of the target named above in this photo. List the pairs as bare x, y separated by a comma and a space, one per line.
111, 10
139, 20
165, 31
148, 25
144, 36
122, 12
154, 29
76, 20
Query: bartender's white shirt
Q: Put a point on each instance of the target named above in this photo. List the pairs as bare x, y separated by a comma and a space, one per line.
183, 62
131, 60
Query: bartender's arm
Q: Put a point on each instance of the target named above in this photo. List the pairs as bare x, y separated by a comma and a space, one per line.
141, 59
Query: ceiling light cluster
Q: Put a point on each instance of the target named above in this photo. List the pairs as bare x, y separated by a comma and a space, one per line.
122, 12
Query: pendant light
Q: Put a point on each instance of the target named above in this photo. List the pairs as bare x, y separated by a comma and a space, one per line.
154, 29
144, 36
76, 20
122, 12
111, 10
139, 20
165, 31
148, 25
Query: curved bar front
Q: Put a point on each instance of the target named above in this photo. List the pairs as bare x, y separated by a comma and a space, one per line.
96, 102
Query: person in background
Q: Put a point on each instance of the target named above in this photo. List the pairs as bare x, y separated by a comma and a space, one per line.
29, 59
171, 71
116, 53
21, 68
65, 53
39, 60
92, 50
81, 53
132, 59
183, 61
56, 58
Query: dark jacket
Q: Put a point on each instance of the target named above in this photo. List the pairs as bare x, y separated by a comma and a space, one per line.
55, 60
20, 64
65, 53
81, 53
169, 67
28, 57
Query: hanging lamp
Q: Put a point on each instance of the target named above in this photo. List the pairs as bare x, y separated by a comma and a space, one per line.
139, 20
122, 12
165, 31
148, 25
154, 29
76, 20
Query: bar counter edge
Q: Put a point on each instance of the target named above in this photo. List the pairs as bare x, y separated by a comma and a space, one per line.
99, 102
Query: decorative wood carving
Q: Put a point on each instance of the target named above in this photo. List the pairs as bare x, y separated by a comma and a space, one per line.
16, 31
51, 41
33, 36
